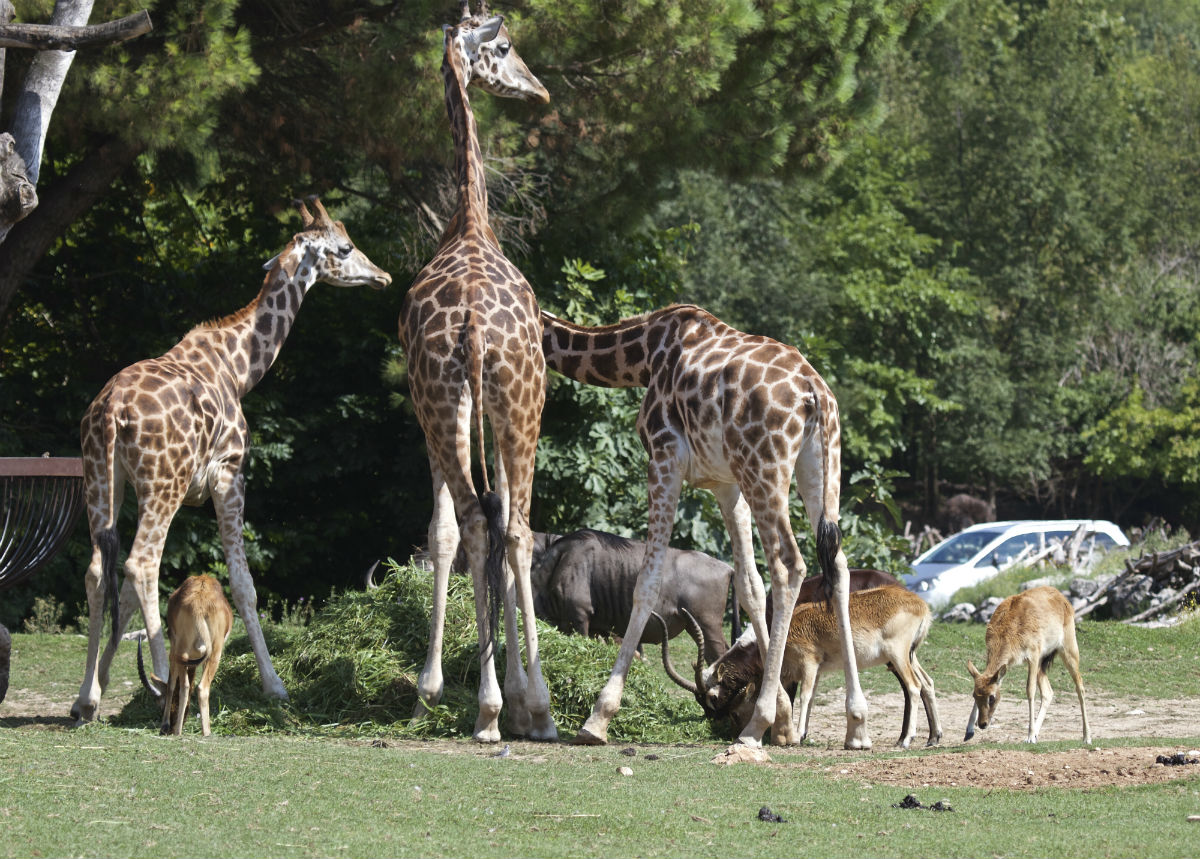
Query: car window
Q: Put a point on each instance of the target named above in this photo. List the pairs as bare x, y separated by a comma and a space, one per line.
961, 547
1008, 551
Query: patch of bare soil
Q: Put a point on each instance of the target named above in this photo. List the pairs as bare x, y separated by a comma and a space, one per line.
979, 763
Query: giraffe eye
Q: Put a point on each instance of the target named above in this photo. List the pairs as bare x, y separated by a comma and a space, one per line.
502, 50
343, 251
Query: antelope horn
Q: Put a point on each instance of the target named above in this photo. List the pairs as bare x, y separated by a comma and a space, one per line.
666, 657
150, 687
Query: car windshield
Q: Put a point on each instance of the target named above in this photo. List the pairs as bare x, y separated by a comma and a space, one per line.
961, 547
1026, 544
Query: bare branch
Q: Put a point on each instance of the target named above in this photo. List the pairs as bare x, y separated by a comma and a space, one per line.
47, 37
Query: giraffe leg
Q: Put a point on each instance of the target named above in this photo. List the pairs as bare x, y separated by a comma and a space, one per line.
818, 483
772, 710
474, 535
747, 584
664, 482
443, 544
514, 475
516, 681
229, 497
536, 693
87, 704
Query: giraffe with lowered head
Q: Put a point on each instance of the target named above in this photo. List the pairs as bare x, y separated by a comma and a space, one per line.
470, 329
173, 427
737, 414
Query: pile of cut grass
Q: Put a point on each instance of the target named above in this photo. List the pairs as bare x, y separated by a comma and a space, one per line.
353, 670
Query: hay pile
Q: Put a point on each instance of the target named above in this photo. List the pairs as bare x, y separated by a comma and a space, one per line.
353, 670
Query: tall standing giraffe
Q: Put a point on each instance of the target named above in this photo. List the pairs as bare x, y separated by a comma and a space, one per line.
470, 329
737, 414
173, 427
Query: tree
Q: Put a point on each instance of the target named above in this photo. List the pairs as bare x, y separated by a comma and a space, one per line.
21, 148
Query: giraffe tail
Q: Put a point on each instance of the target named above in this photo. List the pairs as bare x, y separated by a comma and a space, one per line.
109, 544
829, 543
493, 510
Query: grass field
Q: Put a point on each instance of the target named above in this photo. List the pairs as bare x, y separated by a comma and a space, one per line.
277, 781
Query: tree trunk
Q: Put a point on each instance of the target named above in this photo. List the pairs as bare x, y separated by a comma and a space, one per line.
63, 202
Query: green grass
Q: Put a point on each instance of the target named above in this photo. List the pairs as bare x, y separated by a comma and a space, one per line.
339, 772
105, 792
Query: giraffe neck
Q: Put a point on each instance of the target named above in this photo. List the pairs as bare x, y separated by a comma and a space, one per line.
251, 338
471, 212
610, 356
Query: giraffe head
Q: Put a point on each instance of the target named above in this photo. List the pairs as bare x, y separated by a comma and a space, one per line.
489, 56
324, 245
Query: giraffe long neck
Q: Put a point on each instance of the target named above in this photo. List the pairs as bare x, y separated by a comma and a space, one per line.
610, 356
251, 338
472, 208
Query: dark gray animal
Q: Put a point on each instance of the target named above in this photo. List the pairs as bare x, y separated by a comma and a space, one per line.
583, 583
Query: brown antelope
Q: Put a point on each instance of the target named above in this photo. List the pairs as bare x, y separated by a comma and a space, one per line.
1028, 627
888, 625
199, 619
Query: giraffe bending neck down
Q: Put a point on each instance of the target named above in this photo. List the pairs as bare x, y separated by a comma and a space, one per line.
737, 414
470, 329
173, 427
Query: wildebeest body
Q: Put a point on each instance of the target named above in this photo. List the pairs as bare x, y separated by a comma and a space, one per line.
584, 583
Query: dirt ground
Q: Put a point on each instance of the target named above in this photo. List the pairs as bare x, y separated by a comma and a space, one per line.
978, 763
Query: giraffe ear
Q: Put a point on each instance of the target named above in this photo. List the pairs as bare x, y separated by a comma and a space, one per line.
270, 264
490, 28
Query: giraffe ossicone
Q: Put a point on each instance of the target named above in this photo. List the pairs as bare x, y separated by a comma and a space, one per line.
471, 332
172, 427
738, 414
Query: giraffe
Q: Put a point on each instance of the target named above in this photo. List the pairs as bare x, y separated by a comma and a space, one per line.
469, 326
737, 414
172, 426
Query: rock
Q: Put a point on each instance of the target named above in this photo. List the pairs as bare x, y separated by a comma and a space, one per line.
986, 609
1037, 583
624, 770
740, 753
960, 613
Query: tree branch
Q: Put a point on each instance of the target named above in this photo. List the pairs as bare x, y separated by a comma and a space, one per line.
47, 37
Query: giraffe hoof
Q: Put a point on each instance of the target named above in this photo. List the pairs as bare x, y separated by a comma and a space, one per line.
587, 738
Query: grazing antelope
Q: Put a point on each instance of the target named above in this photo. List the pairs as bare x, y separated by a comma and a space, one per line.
1028, 627
888, 624
199, 619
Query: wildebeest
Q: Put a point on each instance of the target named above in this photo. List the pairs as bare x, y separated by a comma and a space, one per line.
584, 583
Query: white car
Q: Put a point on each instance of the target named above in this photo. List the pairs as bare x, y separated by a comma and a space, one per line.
983, 550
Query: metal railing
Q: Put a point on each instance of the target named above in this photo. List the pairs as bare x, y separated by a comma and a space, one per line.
41, 499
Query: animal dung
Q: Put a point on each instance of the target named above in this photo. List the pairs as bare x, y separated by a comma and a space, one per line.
1176, 760
767, 816
911, 801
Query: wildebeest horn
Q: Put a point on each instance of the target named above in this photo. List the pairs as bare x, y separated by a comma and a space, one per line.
152, 688
369, 579
666, 657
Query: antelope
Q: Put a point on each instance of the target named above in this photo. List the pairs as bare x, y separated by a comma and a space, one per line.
888, 624
199, 619
1031, 627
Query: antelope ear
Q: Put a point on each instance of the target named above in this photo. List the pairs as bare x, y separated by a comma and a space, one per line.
1001, 672
974, 672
